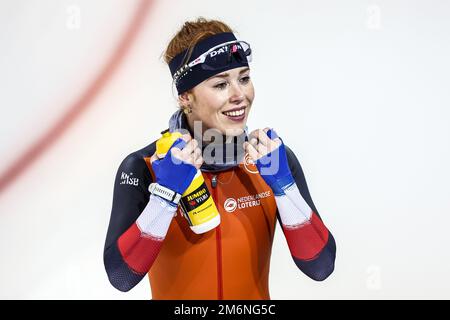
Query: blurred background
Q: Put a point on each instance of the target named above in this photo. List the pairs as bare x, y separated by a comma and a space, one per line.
358, 89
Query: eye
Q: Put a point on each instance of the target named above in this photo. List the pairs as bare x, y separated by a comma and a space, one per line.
221, 85
245, 79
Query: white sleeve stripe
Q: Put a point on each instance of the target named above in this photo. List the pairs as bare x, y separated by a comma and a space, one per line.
292, 207
155, 220
148, 235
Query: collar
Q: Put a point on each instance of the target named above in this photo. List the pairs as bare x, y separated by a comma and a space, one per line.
218, 156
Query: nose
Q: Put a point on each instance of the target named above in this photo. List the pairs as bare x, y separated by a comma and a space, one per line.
237, 94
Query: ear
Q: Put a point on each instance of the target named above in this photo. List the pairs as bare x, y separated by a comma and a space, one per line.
185, 99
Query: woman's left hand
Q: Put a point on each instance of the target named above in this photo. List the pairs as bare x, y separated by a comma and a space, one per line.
260, 144
268, 152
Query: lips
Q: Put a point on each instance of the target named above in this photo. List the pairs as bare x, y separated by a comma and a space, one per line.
235, 112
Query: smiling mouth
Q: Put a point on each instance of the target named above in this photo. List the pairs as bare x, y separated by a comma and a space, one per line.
235, 113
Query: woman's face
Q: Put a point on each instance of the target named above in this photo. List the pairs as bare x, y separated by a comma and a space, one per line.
223, 101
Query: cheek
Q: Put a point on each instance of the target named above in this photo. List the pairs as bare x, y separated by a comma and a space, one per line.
215, 103
209, 111
250, 92
208, 102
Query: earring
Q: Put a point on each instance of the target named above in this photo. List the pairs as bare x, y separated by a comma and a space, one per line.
187, 110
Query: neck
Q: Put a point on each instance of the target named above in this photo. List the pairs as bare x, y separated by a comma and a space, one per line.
224, 153
205, 135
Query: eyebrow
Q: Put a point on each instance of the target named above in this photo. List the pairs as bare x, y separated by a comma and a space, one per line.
224, 75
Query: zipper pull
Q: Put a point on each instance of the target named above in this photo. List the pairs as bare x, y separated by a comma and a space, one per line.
214, 181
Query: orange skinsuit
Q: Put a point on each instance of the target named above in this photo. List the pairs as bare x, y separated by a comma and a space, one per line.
231, 261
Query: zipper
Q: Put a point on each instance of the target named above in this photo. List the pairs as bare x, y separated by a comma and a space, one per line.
218, 242
214, 181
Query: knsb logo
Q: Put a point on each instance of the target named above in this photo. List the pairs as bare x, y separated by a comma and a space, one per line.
230, 205
128, 179
249, 164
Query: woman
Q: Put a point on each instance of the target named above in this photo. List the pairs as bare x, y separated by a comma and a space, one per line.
259, 182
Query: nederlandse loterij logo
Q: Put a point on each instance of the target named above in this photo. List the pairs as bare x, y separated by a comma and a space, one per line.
128, 179
249, 164
230, 205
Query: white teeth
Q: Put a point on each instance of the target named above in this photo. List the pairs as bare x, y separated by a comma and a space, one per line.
235, 113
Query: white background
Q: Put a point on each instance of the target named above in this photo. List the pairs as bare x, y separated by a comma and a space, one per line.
358, 89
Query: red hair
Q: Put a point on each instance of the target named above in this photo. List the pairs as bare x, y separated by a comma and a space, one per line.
191, 33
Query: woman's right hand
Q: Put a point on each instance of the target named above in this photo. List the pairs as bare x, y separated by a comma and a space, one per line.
177, 169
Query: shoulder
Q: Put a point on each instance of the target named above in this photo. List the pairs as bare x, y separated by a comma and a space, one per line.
135, 162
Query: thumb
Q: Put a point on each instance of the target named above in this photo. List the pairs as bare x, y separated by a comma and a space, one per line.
179, 143
272, 134
175, 157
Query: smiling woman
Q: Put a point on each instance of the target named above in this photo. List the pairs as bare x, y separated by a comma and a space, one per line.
222, 102
255, 181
